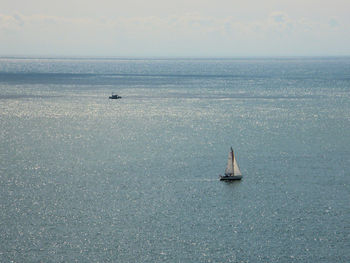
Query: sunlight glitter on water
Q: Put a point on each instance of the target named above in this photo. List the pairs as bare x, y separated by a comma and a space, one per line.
85, 178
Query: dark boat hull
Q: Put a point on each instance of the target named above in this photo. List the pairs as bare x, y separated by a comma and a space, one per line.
230, 178
115, 97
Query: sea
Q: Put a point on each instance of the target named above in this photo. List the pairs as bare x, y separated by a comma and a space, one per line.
84, 178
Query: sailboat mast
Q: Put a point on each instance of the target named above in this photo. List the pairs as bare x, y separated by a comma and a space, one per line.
233, 160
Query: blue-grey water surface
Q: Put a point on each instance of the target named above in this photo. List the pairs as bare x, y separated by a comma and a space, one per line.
88, 179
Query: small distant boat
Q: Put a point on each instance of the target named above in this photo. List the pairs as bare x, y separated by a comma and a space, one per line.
232, 171
115, 96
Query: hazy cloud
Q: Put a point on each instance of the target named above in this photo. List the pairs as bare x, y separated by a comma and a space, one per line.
10, 22
279, 17
333, 22
169, 35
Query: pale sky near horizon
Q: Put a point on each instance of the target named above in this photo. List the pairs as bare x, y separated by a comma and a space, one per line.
192, 28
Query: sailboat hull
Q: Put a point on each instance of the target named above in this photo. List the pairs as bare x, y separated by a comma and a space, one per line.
230, 178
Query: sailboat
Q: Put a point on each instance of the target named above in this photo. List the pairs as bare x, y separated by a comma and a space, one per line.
232, 171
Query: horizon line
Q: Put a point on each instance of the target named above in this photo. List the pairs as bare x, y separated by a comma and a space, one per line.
161, 57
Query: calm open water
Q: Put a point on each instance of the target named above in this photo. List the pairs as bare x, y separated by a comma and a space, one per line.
84, 178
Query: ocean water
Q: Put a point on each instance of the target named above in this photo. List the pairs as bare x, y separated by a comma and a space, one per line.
88, 179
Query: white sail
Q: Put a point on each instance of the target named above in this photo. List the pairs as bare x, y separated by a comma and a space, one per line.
229, 168
232, 168
236, 170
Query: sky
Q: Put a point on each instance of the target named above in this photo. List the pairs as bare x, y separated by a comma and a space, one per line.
177, 28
